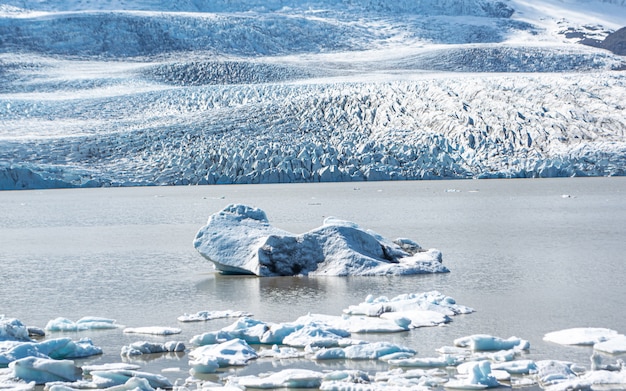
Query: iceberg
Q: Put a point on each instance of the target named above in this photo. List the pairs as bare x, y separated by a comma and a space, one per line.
240, 240
580, 336
85, 323
43, 370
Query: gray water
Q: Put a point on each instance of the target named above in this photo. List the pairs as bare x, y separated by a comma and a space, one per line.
531, 256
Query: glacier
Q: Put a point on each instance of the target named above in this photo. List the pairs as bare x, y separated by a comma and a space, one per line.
128, 93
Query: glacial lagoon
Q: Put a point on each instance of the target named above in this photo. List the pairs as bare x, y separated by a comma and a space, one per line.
531, 256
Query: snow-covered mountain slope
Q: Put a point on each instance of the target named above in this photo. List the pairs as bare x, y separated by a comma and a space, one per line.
154, 92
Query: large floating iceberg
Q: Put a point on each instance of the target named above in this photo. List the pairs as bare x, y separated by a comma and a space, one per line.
240, 240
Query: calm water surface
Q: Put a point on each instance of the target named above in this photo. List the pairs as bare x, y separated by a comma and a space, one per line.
531, 256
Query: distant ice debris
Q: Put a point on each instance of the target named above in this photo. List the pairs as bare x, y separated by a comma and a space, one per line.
85, 323
153, 330
240, 240
580, 336
432, 301
202, 316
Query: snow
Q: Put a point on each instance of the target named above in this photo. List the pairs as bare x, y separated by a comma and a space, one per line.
85, 323
240, 240
580, 336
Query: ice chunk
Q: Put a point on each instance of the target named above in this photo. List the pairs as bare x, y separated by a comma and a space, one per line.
43, 370
240, 240
425, 301
58, 348
234, 352
145, 347
479, 376
287, 378
247, 329
482, 342
203, 316
614, 345
116, 377
428, 362
85, 323
551, 372
12, 329
365, 351
277, 352
518, 367
87, 369
580, 336
154, 330
357, 324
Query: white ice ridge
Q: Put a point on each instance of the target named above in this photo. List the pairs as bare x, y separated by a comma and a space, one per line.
240, 240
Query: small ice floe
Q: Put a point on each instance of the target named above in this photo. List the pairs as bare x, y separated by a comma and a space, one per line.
85, 323
281, 353
58, 348
598, 364
132, 384
478, 376
203, 316
484, 342
153, 330
248, 329
287, 378
240, 240
366, 351
12, 329
428, 362
580, 336
344, 325
206, 359
613, 345
43, 370
118, 377
425, 301
517, 367
550, 372
144, 347
317, 334
87, 369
